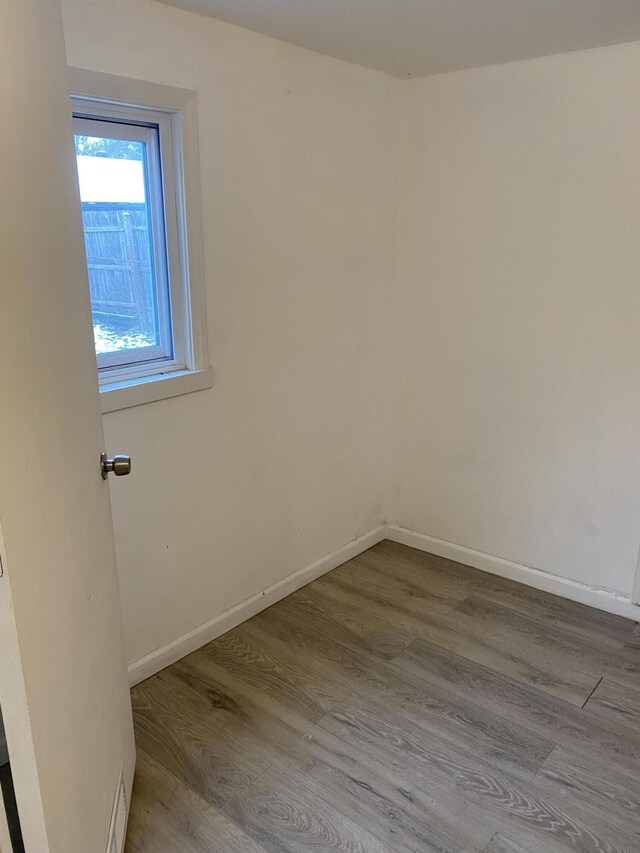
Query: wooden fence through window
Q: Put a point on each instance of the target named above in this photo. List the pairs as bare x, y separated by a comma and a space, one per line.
120, 266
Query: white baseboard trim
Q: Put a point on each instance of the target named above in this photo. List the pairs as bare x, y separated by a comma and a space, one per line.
603, 599
170, 653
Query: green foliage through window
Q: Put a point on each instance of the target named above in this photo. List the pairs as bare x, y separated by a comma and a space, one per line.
119, 149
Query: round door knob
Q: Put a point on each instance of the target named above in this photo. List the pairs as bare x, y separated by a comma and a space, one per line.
120, 465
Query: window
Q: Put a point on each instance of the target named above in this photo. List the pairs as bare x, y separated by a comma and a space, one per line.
126, 233
138, 248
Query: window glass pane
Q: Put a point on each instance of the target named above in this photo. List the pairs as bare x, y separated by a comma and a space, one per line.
116, 213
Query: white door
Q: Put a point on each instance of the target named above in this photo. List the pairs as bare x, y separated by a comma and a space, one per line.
63, 685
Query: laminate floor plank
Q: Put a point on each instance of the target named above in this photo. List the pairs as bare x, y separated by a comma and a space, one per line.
395, 593
553, 660
588, 623
463, 724
525, 809
562, 649
378, 637
284, 817
323, 640
439, 587
612, 792
372, 602
400, 809
633, 643
168, 817
284, 675
551, 717
395, 559
402, 703
501, 844
513, 645
174, 730
616, 703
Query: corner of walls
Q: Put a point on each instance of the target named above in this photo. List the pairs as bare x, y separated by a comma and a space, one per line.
518, 390
353, 400
199, 636
598, 597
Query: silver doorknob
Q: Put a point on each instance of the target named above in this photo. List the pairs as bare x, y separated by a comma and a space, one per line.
120, 465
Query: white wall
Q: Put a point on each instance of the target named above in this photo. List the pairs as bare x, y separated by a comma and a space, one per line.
519, 306
483, 392
282, 461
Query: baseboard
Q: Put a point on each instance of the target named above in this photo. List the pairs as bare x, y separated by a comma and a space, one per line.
603, 599
189, 642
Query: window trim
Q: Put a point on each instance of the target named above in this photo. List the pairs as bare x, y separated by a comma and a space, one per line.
114, 96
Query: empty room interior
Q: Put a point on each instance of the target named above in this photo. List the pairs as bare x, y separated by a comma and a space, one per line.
320, 426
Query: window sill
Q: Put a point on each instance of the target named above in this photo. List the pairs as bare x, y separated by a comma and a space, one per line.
137, 392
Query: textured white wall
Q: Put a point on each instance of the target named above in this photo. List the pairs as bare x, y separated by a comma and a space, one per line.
519, 247
281, 461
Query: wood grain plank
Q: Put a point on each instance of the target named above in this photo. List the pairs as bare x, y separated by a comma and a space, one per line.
633, 643
465, 725
441, 587
552, 660
403, 810
560, 648
295, 682
170, 727
252, 721
552, 717
617, 703
168, 817
283, 817
377, 636
521, 648
371, 602
401, 703
587, 623
395, 593
500, 844
401, 744
321, 640
610, 791
432, 571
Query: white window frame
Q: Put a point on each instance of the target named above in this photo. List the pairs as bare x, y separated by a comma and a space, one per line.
153, 129
102, 97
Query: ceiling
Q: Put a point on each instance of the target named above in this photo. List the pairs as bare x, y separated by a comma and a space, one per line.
411, 38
